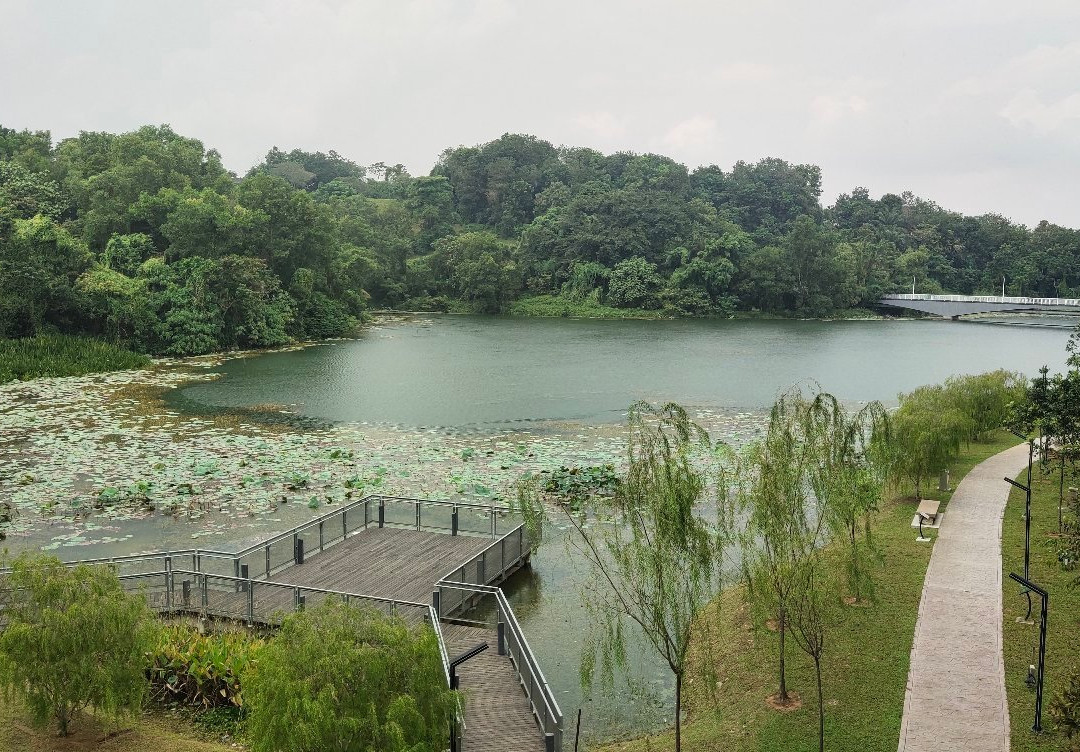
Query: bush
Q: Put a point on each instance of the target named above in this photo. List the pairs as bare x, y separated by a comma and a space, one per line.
202, 670
338, 677
74, 639
1065, 710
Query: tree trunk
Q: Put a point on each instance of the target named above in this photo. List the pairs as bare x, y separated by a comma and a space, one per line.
1061, 488
918, 493
678, 712
820, 706
783, 634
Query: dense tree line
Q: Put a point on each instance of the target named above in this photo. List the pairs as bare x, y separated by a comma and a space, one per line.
145, 239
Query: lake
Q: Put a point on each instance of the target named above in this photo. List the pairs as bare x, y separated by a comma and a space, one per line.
490, 373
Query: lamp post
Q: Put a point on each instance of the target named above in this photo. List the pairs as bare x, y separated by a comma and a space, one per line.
1027, 514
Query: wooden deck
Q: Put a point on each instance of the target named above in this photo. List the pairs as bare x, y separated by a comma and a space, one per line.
385, 562
497, 714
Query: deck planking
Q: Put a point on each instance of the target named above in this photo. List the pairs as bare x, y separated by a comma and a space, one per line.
385, 562
497, 714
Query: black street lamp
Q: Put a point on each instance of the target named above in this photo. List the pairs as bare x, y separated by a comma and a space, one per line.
1027, 514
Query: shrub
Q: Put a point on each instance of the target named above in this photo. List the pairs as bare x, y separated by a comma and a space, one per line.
74, 639
1065, 710
340, 678
62, 355
202, 670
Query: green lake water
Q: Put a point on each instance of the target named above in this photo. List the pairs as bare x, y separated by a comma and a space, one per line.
487, 373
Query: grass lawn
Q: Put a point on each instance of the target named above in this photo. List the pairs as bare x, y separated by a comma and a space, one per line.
1063, 624
62, 355
154, 732
865, 663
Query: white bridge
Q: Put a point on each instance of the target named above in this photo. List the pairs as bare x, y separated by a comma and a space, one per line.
955, 306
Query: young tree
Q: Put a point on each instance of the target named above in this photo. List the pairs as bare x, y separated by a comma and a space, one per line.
811, 614
660, 564
342, 678
74, 639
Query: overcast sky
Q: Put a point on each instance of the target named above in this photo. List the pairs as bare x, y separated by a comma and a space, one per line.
972, 103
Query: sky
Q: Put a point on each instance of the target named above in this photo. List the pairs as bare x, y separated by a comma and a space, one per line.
974, 104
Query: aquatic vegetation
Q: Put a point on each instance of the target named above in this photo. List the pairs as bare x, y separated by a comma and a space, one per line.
62, 355
199, 669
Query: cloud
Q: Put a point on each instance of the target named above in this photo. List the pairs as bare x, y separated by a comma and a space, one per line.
696, 133
833, 108
601, 125
1028, 109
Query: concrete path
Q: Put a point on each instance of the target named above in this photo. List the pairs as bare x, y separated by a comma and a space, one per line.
955, 699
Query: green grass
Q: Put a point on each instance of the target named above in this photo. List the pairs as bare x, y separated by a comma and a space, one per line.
865, 663
1063, 624
62, 355
554, 306
150, 732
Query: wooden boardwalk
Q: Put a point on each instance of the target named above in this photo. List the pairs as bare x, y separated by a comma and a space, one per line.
497, 714
385, 562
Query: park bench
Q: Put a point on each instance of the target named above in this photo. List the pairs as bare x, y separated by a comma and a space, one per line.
927, 512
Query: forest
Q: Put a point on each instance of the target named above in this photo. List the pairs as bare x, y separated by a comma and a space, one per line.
144, 239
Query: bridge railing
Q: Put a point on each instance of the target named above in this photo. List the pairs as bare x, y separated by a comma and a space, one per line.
1004, 300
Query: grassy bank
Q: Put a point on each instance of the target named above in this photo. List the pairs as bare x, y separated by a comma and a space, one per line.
1063, 624
62, 355
153, 732
865, 663
555, 306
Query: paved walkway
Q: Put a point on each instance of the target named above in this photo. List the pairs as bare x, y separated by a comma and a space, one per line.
955, 699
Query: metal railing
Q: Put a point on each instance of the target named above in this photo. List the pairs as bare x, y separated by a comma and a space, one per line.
465, 586
514, 645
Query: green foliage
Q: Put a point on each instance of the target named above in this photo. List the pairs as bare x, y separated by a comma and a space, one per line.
576, 484
927, 432
62, 355
341, 678
310, 240
1064, 709
73, 639
661, 565
201, 670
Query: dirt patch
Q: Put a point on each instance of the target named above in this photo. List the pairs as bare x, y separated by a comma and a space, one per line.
794, 702
851, 600
772, 625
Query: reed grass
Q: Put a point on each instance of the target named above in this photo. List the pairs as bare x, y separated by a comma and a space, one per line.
62, 355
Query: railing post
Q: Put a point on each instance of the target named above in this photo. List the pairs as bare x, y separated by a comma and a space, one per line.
501, 629
418, 516
493, 523
382, 512
344, 524
250, 604
185, 588
236, 572
298, 552
320, 535
245, 586
436, 602
296, 598
454, 522
480, 569
168, 583
205, 592
549, 742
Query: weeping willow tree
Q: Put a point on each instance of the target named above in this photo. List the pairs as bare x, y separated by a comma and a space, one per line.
848, 469
654, 559
816, 476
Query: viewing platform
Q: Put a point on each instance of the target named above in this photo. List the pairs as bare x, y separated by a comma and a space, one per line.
433, 562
